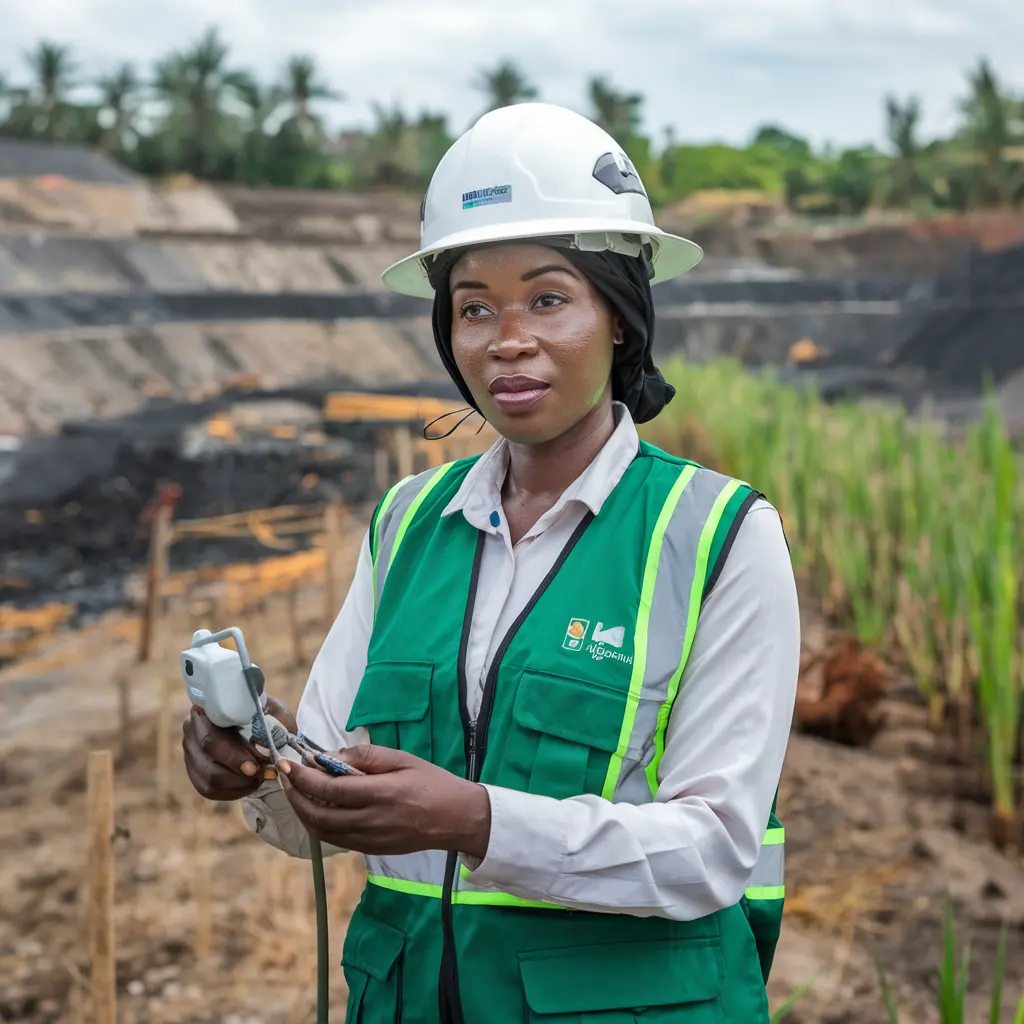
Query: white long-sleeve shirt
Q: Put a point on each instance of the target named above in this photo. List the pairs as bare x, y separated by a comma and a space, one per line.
691, 851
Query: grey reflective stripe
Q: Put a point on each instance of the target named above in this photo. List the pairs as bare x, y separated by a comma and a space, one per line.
770, 869
424, 868
671, 608
422, 874
405, 493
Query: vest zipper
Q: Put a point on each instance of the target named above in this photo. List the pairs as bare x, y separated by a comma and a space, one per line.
448, 996
471, 769
479, 728
400, 970
475, 738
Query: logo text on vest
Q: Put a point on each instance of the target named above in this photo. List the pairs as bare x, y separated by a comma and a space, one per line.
614, 635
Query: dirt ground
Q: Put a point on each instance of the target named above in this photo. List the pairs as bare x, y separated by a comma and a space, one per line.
214, 926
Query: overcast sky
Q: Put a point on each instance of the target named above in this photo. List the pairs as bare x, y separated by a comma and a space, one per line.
711, 68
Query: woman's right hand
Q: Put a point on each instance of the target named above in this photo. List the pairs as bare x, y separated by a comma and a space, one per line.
219, 763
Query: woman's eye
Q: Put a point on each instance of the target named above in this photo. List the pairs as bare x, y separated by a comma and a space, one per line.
472, 310
549, 300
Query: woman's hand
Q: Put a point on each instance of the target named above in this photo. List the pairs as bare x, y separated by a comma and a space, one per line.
219, 763
402, 804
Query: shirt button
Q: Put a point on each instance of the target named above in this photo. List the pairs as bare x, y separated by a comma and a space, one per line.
495, 520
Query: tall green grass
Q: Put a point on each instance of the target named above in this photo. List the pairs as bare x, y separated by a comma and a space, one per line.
951, 995
912, 538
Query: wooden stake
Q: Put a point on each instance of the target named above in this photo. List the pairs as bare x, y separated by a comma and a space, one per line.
160, 539
124, 710
100, 801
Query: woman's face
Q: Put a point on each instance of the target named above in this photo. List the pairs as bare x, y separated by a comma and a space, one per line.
533, 339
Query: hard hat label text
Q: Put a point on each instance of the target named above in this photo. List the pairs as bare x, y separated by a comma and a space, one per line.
487, 196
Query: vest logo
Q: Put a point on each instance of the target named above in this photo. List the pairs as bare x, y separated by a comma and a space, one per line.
575, 634
605, 642
613, 636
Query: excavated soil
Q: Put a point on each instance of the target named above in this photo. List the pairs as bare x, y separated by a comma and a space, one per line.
214, 926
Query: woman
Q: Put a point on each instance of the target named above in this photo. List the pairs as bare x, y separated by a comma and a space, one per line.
575, 657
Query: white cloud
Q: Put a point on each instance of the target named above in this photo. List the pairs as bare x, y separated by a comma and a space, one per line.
712, 68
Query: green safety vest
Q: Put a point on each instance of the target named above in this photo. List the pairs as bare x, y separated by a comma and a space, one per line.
563, 713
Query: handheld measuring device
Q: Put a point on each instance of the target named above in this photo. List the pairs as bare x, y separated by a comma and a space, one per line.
230, 690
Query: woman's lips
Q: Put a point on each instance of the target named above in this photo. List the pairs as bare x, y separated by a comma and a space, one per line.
514, 394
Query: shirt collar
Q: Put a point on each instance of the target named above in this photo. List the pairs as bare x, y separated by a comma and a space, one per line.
480, 493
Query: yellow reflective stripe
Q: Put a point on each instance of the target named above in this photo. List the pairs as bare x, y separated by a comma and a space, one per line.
403, 525
766, 892
466, 897
411, 511
503, 899
404, 885
500, 899
707, 536
643, 621
774, 837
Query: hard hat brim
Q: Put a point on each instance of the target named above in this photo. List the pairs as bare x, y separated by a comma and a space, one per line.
673, 254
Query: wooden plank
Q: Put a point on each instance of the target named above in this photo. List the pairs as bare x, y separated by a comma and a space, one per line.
41, 619
281, 512
358, 407
100, 803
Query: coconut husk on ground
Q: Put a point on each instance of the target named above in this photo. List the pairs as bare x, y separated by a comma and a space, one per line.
840, 694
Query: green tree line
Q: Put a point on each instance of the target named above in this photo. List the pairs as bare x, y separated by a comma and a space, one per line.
196, 112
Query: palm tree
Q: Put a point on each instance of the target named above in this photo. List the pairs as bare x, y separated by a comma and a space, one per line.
505, 85
53, 70
618, 113
387, 152
303, 86
6, 102
119, 98
903, 182
989, 133
261, 104
195, 83
432, 142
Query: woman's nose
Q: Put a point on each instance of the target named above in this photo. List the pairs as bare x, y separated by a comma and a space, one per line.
513, 337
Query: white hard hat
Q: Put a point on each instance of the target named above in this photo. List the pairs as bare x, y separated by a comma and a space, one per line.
532, 170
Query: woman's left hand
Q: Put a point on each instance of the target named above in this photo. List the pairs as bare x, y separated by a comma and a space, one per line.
402, 804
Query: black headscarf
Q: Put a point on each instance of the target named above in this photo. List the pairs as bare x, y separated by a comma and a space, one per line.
625, 282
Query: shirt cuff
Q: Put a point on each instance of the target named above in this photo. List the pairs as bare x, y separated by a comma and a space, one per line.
527, 845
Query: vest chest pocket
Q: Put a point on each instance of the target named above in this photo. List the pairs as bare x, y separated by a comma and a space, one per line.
373, 971
563, 733
661, 982
393, 703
